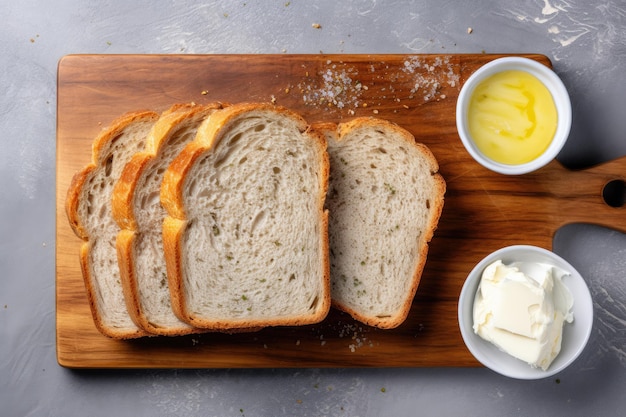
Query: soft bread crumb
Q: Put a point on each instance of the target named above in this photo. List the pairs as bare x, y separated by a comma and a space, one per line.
384, 200
253, 252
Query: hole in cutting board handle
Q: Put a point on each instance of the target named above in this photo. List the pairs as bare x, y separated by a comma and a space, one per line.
614, 193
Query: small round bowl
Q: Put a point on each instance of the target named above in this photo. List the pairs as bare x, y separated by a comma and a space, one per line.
561, 100
575, 334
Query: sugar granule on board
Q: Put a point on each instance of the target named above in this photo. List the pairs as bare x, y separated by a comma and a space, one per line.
428, 77
338, 88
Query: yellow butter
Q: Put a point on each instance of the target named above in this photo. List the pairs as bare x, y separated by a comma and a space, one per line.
512, 117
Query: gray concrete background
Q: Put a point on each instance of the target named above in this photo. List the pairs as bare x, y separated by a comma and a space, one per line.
586, 42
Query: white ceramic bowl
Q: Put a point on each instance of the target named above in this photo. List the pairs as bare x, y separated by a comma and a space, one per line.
559, 95
575, 334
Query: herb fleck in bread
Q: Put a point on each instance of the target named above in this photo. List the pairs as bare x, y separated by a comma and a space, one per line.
246, 238
88, 207
138, 210
385, 199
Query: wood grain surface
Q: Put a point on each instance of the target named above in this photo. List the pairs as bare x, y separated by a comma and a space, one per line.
483, 211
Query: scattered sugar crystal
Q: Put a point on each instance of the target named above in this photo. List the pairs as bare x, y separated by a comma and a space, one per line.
337, 84
338, 87
429, 82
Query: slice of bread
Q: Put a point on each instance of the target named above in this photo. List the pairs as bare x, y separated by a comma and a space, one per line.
246, 238
138, 211
385, 198
88, 208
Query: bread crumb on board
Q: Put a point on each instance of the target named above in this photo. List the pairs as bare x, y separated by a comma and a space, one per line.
354, 334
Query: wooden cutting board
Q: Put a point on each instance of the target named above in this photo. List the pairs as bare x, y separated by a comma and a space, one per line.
483, 211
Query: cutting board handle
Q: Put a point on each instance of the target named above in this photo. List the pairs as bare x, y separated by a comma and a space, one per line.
596, 195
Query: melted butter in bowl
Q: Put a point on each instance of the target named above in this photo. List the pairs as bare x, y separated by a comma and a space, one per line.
513, 115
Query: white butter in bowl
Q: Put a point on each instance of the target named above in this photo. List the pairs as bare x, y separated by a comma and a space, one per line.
530, 317
521, 308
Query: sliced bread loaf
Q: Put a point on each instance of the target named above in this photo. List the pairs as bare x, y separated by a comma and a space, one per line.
385, 198
246, 238
138, 210
88, 207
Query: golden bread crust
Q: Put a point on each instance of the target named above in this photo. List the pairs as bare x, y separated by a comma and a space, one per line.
72, 203
125, 213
